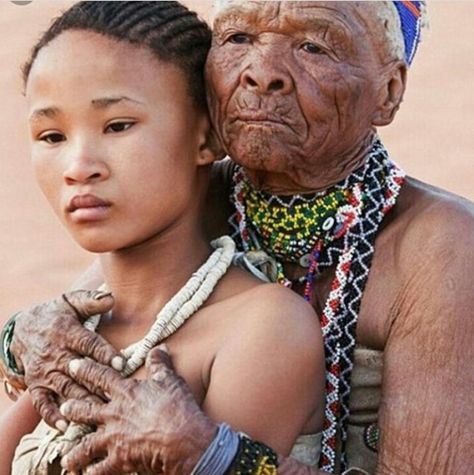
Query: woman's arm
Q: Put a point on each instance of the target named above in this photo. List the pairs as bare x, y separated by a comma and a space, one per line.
48, 336
19, 420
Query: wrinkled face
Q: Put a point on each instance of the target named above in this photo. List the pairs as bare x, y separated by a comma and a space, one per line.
115, 139
292, 84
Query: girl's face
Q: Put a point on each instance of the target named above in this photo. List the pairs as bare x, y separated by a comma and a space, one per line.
116, 140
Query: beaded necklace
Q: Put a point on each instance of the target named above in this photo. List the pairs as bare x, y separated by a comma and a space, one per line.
339, 230
170, 318
295, 228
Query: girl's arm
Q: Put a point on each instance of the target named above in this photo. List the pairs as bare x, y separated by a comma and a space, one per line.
17, 421
155, 425
268, 378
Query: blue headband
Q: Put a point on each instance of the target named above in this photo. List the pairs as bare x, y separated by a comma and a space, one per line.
410, 19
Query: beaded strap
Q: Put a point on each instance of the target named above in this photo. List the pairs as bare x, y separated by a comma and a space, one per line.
11, 377
253, 458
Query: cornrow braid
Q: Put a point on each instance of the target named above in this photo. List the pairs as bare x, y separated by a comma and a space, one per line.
172, 32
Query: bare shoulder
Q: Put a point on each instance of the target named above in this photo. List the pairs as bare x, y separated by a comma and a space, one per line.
436, 243
430, 335
434, 223
271, 344
253, 307
282, 317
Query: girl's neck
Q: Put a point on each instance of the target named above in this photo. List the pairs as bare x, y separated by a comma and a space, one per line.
143, 278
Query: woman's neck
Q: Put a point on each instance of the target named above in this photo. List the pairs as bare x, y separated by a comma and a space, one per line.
143, 278
317, 173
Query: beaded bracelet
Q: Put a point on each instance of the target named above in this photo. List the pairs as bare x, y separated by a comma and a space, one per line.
232, 453
10, 375
253, 458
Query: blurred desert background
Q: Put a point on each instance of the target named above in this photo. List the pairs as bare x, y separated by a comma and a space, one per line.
432, 139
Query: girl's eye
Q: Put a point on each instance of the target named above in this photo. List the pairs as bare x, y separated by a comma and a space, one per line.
118, 127
311, 48
52, 138
239, 38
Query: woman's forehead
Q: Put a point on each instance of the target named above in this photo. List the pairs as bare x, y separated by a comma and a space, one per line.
298, 12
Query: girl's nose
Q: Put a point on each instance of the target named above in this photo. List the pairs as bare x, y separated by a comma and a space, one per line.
83, 167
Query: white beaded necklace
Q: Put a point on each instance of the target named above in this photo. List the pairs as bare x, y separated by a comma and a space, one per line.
184, 304
171, 317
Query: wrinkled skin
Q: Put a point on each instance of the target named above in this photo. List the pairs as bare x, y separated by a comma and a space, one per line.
301, 123
131, 436
295, 89
45, 361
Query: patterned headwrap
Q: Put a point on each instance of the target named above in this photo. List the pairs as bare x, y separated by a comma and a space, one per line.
410, 19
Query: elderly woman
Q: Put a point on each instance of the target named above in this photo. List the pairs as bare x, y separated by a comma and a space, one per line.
296, 92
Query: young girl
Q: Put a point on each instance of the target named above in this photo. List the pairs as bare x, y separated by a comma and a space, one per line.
121, 147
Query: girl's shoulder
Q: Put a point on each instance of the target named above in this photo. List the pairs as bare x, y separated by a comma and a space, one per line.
256, 309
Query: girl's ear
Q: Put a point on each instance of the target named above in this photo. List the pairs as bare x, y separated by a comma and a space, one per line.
210, 148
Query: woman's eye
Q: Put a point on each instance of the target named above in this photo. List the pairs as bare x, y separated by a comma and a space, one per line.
311, 48
52, 138
239, 38
119, 126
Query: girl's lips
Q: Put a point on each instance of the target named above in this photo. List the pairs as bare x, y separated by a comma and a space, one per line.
88, 208
86, 201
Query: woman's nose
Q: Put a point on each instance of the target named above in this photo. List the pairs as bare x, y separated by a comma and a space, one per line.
264, 76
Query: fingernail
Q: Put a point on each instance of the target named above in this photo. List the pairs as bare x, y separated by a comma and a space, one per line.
118, 363
62, 425
64, 462
102, 295
63, 409
164, 347
74, 366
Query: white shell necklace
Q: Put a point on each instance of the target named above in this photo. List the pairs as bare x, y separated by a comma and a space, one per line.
171, 317
184, 304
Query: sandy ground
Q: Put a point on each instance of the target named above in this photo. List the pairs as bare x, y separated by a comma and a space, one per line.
432, 139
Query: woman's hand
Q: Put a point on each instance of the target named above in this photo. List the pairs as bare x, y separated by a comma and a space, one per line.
47, 337
148, 426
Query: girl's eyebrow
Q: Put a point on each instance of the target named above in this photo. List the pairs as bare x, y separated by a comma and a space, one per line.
103, 102
49, 112
100, 103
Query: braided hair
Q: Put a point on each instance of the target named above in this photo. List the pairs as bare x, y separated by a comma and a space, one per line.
172, 32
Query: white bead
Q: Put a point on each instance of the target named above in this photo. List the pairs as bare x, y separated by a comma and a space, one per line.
328, 223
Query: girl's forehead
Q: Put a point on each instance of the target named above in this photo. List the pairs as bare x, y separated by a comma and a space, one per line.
86, 54
83, 65
82, 46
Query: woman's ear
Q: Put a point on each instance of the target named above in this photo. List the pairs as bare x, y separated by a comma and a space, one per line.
210, 148
391, 93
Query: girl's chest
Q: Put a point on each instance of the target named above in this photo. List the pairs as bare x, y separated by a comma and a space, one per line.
192, 350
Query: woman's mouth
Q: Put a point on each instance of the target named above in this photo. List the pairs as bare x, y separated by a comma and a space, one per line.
83, 208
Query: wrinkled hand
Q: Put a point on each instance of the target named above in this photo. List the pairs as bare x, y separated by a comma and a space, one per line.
47, 337
148, 426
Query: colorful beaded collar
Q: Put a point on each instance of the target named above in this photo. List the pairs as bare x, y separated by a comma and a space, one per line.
339, 228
